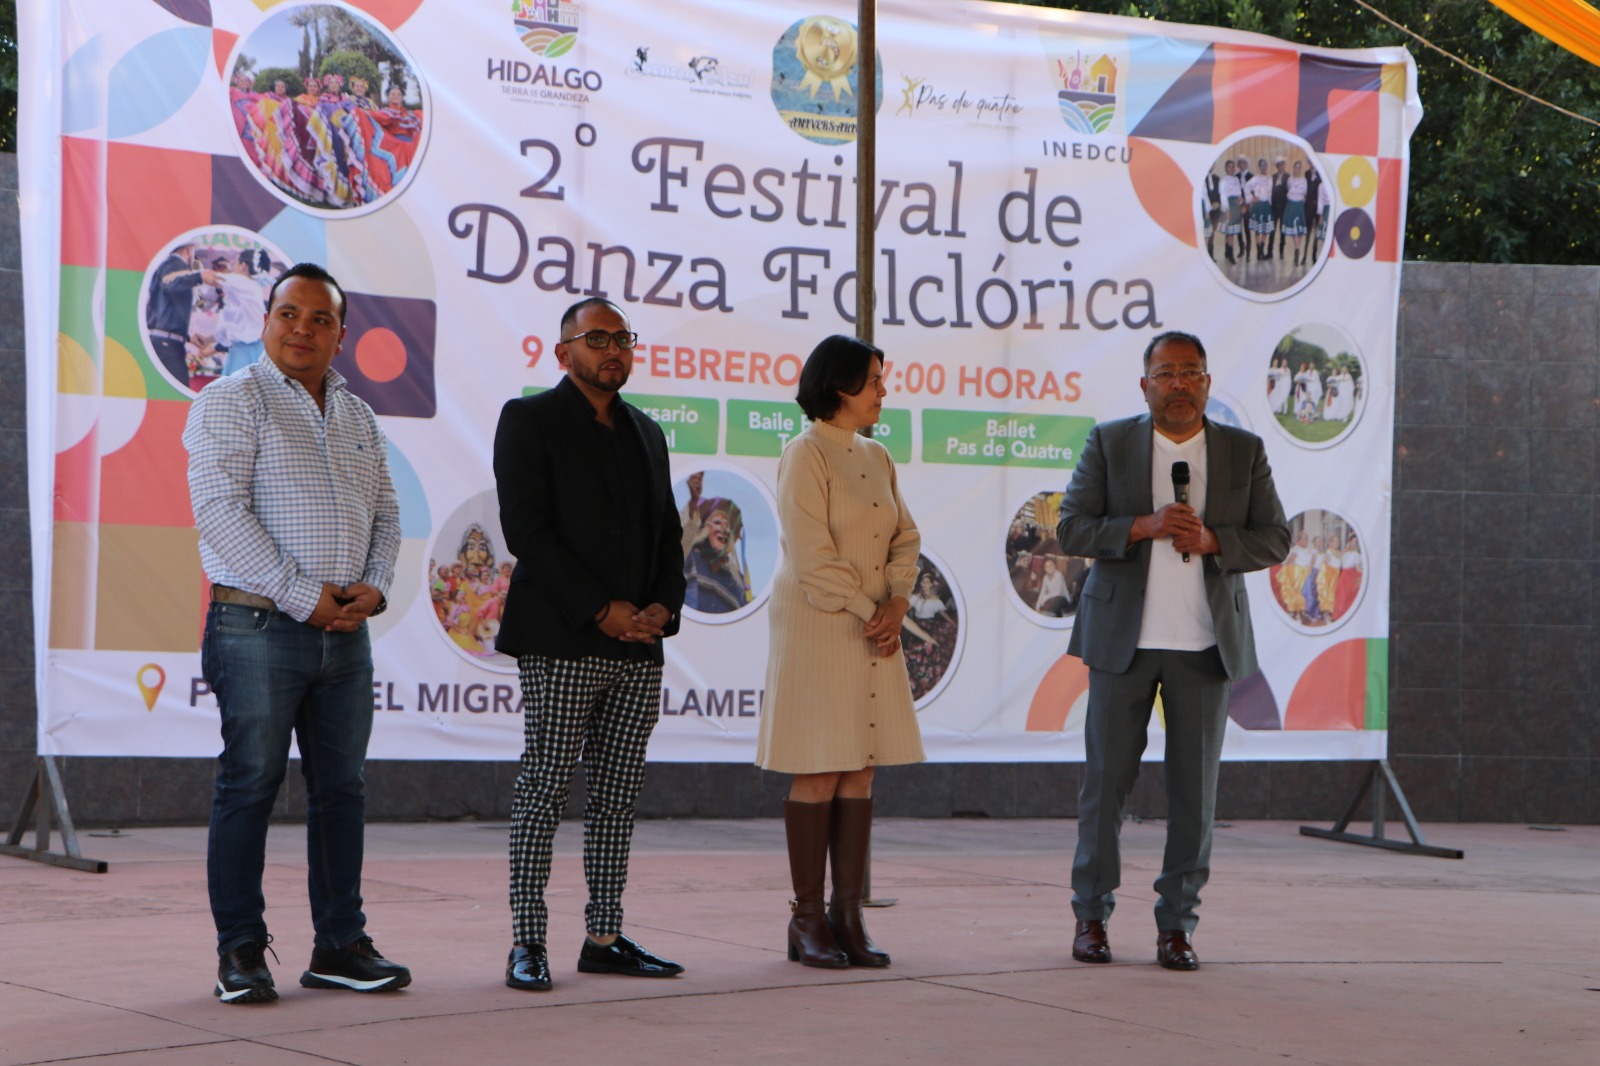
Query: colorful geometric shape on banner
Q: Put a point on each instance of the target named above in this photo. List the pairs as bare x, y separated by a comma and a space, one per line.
148, 581
303, 238
383, 252
222, 43
1358, 181
1253, 87
1338, 110
83, 96
400, 353
1346, 687
416, 518
237, 199
1152, 59
83, 190
152, 81
392, 13
1064, 685
142, 216
1391, 195
77, 466
1184, 112
1252, 705
195, 11
145, 482
1163, 189
1353, 232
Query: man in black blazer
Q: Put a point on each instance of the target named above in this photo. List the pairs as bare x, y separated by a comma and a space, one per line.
1164, 606
586, 507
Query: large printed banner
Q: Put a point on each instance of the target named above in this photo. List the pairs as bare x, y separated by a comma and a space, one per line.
1053, 189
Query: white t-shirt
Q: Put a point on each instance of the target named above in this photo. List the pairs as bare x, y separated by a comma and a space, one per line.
1176, 614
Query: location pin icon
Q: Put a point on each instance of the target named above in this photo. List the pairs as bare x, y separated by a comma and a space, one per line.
150, 690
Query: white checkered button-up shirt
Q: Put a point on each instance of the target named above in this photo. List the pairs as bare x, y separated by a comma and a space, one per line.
286, 496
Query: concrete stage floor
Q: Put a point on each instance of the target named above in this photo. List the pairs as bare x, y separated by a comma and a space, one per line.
1312, 952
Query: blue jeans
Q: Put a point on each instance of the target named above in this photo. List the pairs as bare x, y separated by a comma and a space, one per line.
273, 676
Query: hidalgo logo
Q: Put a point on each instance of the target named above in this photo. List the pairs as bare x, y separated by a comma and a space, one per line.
548, 28
1088, 93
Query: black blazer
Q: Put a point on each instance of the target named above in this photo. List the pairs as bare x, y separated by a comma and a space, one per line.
556, 514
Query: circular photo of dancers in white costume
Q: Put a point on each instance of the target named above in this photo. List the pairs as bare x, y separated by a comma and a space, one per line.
1316, 385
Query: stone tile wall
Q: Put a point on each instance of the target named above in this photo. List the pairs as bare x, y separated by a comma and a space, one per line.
1493, 650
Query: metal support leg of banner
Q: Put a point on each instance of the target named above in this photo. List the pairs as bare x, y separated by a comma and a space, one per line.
1385, 785
48, 781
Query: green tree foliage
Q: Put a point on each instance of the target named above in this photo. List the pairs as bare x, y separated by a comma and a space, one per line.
1494, 176
349, 65
8, 75
292, 82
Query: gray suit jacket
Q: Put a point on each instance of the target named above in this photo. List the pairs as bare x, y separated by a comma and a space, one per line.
1111, 487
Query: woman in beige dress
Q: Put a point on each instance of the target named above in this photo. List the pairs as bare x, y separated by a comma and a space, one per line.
838, 701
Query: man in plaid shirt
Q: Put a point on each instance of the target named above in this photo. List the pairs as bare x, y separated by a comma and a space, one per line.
299, 529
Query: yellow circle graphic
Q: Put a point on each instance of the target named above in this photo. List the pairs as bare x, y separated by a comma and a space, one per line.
1358, 181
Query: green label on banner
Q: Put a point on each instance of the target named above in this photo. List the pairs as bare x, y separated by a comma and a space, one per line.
763, 429
985, 438
893, 431
690, 422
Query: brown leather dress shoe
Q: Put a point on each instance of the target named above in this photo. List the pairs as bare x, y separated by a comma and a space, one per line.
1174, 952
1090, 943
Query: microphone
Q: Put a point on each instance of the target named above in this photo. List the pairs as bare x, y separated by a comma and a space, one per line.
1180, 487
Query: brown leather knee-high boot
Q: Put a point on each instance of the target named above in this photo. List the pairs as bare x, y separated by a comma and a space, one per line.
811, 941
852, 830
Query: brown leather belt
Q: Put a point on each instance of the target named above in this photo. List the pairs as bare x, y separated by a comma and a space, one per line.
228, 594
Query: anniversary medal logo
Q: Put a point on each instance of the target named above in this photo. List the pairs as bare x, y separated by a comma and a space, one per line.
814, 82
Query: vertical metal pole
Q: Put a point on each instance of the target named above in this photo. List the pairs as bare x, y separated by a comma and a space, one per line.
866, 161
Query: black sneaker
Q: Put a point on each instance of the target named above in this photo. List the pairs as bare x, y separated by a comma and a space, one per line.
242, 974
356, 966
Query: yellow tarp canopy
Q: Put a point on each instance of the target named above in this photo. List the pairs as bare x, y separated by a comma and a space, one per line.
1573, 24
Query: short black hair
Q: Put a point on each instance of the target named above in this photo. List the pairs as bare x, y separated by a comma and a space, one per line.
569, 317
1172, 335
315, 273
838, 364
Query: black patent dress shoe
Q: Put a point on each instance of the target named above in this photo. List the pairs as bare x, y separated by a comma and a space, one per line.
625, 957
528, 969
1174, 952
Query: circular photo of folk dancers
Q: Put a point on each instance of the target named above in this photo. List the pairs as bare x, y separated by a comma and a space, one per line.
730, 541
933, 631
1043, 581
203, 304
1320, 584
330, 112
469, 575
1316, 385
1263, 207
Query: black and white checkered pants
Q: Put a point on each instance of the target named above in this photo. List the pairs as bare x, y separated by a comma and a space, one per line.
603, 710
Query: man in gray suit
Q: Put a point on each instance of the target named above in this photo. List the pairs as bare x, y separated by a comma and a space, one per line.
1164, 606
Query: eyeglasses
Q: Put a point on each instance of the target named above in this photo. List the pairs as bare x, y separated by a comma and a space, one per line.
1187, 376
599, 339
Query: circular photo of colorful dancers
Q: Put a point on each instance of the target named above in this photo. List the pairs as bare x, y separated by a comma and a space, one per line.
1044, 582
329, 110
1263, 207
730, 542
932, 632
1318, 587
1316, 385
203, 304
469, 575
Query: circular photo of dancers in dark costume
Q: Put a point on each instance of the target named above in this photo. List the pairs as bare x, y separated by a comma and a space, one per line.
330, 113
1316, 385
469, 575
1263, 207
1319, 586
933, 631
203, 304
1043, 582
730, 542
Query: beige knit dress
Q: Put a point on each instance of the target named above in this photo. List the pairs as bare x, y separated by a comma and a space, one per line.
832, 702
